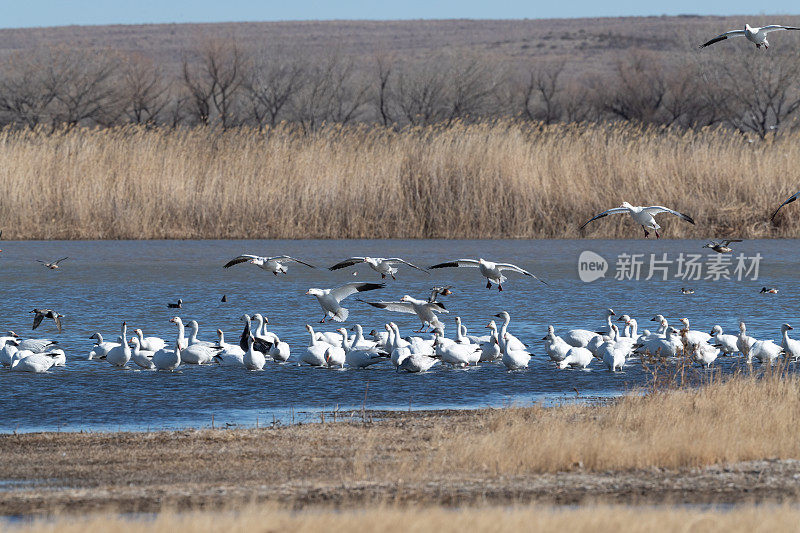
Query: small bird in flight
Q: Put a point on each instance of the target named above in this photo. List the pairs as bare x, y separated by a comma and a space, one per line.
643, 215
53, 265
270, 264
383, 266
41, 314
721, 247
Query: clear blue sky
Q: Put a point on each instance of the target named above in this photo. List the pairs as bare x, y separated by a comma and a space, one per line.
27, 13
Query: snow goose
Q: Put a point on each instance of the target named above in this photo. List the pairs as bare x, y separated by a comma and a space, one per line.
669, 346
120, 355
41, 314
270, 264
361, 356
314, 354
36, 345
329, 299
231, 354
791, 347
417, 362
460, 355
199, 354
513, 359
381, 339
576, 357
383, 266
142, 358
399, 348
612, 352
555, 347
493, 272
32, 362
425, 310
765, 351
150, 344
182, 341
100, 348
166, 359
490, 350
703, 353
513, 342
755, 35
7, 352
475, 339
727, 343
252, 358
791, 199
52, 265
644, 216
418, 344
194, 328
721, 247
580, 337
335, 356
261, 329
359, 342
262, 345
743, 341
59, 357
693, 337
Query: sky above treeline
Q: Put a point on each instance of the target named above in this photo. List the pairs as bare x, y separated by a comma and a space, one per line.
34, 13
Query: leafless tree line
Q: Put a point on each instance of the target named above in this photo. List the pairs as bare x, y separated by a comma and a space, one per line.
221, 84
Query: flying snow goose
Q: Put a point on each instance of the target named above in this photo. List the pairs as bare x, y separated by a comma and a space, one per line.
329, 299
755, 35
425, 310
580, 337
791, 199
727, 343
493, 272
644, 216
120, 355
41, 314
381, 265
142, 358
721, 247
439, 291
270, 264
791, 347
150, 344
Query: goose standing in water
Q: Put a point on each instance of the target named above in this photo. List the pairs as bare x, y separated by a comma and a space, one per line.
669, 346
510, 339
314, 354
360, 356
555, 347
329, 299
743, 341
182, 341
100, 348
493, 272
458, 355
149, 344
166, 359
270, 264
513, 358
612, 352
142, 358
644, 216
577, 358
490, 350
425, 310
756, 35
791, 347
36, 345
32, 362
194, 327
580, 337
694, 337
727, 343
765, 351
791, 199
120, 355
231, 354
417, 362
253, 359
703, 353
383, 266
198, 352
278, 349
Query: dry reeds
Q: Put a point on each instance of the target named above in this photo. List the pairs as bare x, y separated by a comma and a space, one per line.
500, 180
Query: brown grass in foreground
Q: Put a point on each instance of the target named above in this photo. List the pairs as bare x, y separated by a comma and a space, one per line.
502, 180
439, 519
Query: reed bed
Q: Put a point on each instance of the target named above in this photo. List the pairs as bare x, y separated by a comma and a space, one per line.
748, 518
491, 180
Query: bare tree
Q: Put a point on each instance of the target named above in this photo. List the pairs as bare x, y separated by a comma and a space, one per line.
144, 91
213, 81
25, 98
383, 97
270, 85
542, 97
636, 90
420, 93
471, 84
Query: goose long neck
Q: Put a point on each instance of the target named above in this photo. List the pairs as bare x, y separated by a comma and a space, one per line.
181, 333
193, 335
459, 337
221, 336
313, 340
662, 329
608, 322
396, 335
634, 328
99, 338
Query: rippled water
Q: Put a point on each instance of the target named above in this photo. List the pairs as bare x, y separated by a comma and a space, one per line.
104, 283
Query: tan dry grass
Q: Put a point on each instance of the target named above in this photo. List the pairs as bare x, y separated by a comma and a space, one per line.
503, 180
441, 520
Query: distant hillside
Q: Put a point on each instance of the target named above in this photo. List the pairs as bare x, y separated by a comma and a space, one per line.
585, 44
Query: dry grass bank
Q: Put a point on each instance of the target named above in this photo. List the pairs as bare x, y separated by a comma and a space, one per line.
465, 181
437, 519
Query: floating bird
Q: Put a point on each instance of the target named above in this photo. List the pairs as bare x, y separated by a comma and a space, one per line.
644, 216
425, 311
493, 272
53, 265
41, 314
721, 247
329, 299
757, 36
224, 298
791, 199
178, 305
100, 348
383, 266
771, 290
270, 264
686, 291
